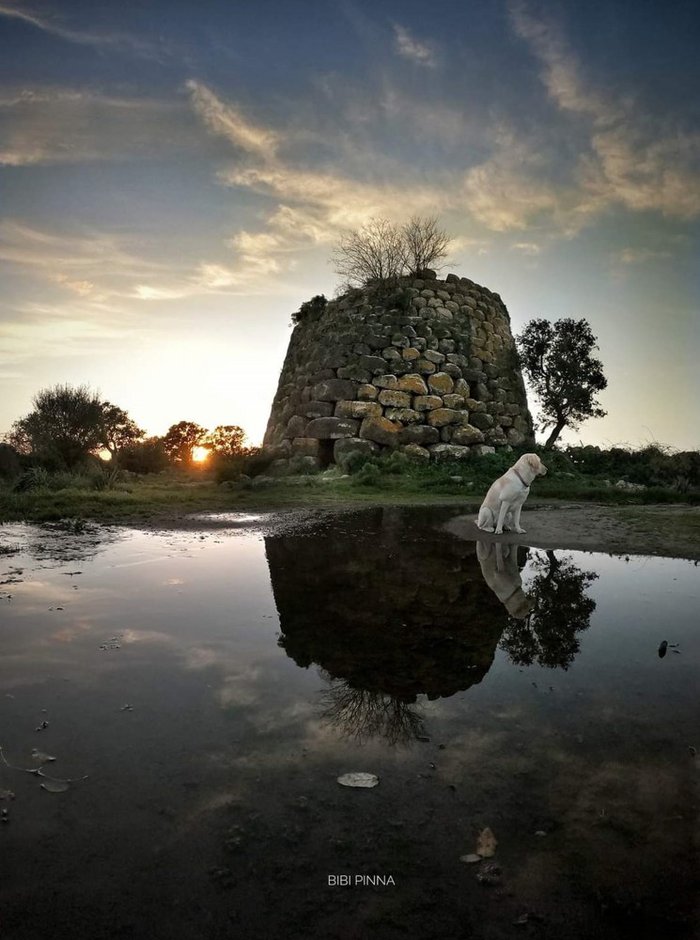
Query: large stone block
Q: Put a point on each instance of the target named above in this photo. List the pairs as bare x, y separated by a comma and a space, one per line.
358, 409
404, 415
427, 402
395, 399
482, 420
332, 428
416, 452
467, 435
449, 452
419, 434
385, 381
316, 409
442, 416
412, 383
515, 437
344, 448
440, 383
305, 447
453, 401
353, 373
381, 431
373, 364
296, 425
334, 390
367, 392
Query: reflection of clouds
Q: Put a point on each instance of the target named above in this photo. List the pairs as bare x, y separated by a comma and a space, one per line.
241, 688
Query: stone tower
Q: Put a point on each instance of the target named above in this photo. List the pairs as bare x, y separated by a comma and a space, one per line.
427, 366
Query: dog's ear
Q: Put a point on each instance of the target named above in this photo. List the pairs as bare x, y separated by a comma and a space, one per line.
533, 460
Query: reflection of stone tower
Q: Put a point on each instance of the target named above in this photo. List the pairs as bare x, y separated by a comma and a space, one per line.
389, 608
428, 366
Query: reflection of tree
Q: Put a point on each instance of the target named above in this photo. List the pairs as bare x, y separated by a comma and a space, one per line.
362, 714
561, 610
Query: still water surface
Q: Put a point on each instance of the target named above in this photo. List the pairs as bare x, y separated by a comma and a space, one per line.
213, 685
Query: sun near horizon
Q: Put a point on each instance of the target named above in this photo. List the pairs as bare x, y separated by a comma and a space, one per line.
200, 454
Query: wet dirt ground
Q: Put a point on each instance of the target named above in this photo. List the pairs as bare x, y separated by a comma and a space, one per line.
212, 685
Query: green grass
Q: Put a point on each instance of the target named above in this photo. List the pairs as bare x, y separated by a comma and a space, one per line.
390, 480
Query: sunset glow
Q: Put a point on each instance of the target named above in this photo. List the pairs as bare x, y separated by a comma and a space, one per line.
200, 454
168, 202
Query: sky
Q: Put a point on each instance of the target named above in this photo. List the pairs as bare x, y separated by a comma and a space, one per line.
174, 175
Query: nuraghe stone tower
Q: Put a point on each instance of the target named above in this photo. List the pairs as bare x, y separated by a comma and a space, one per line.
427, 366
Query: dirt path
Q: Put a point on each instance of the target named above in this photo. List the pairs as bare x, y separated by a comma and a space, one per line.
625, 530
620, 530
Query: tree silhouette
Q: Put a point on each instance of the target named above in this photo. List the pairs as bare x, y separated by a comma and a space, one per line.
564, 375
64, 426
180, 439
383, 251
364, 714
561, 610
226, 440
119, 431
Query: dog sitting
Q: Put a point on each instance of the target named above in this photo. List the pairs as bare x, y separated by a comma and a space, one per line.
504, 501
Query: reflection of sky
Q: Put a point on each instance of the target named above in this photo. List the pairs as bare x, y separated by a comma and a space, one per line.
224, 728
173, 178
185, 602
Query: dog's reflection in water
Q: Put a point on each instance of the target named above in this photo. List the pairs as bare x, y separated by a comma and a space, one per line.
499, 566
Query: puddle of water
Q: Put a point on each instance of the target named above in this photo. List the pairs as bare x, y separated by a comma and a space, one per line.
214, 685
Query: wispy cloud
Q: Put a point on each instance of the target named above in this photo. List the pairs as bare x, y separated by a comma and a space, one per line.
55, 26
636, 160
227, 121
527, 248
641, 255
63, 126
416, 51
312, 206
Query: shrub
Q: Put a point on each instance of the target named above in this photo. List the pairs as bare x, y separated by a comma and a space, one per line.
32, 479
368, 475
311, 310
250, 463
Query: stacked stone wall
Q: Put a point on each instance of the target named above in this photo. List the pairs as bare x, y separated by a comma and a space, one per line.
427, 367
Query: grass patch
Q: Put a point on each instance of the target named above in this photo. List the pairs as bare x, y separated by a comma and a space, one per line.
395, 478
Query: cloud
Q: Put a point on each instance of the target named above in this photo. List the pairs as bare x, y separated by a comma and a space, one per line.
561, 71
60, 126
641, 255
55, 332
512, 188
311, 206
408, 47
61, 255
635, 160
527, 248
228, 121
82, 288
55, 27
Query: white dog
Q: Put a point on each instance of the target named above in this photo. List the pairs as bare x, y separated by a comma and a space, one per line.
504, 500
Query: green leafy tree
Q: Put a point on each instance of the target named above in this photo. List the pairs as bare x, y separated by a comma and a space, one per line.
180, 440
226, 440
64, 427
558, 362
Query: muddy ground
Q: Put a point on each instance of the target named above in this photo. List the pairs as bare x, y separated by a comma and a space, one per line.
673, 531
